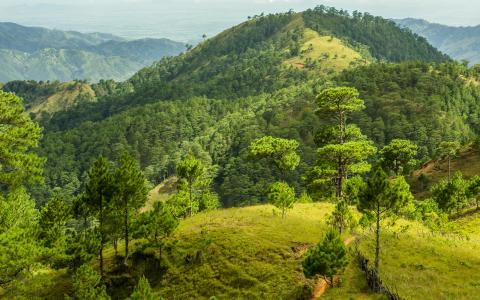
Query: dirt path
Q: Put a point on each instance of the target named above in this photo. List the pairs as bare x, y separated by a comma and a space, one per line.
321, 285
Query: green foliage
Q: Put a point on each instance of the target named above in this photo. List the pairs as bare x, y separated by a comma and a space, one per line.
191, 170
282, 196
156, 225
18, 167
384, 39
82, 247
347, 150
451, 195
98, 197
449, 149
87, 284
18, 136
130, 194
19, 247
53, 218
341, 217
305, 198
280, 151
399, 156
143, 291
353, 187
382, 196
328, 258
473, 189
338, 102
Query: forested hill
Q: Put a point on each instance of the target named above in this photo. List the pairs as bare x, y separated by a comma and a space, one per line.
263, 55
461, 43
44, 54
260, 78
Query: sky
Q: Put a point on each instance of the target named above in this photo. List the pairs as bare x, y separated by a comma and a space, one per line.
188, 20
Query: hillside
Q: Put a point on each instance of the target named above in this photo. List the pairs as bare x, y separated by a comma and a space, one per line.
466, 161
460, 43
43, 54
251, 253
274, 95
255, 57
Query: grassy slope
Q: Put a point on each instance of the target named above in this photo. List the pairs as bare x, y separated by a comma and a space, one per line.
64, 99
330, 52
467, 161
251, 253
247, 253
422, 266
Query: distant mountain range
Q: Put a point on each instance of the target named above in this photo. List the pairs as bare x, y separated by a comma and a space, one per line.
44, 54
461, 43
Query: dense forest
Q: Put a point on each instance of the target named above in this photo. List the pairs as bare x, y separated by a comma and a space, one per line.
164, 185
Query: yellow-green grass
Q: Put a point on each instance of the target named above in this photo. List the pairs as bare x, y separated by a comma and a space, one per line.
41, 284
467, 161
161, 192
330, 53
421, 266
243, 253
353, 285
67, 97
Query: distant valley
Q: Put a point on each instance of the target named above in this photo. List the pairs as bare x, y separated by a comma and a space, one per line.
461, 43
34, 53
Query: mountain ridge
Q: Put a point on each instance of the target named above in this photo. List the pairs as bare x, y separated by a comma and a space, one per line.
460, 42
25, 51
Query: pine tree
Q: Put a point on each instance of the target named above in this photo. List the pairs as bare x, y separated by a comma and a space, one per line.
143, 291
130, 194
327, 259
344, 149
190, 169
98, 196
18, 166
382, 196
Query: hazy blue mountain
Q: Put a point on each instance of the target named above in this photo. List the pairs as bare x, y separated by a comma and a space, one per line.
461, 43
46, 54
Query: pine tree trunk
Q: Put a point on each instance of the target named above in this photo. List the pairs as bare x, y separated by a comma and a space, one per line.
377, 232
115, 246
449, 168
125, 261
102, 241
191, 200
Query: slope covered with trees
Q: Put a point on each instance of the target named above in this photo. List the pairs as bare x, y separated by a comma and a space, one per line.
461, 43
248, 117
43, 54
250, 59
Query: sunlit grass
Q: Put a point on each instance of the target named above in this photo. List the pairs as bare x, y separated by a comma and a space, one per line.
330, 53
246, 253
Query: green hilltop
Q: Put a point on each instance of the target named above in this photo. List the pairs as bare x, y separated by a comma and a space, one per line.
203, 109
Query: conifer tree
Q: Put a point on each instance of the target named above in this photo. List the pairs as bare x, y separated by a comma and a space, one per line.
130, 194
19, 166
380, 197
343, 150
327, 259
190, 169
98, 196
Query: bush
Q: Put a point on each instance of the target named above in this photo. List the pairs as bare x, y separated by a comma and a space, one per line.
143, 291
328, 258
87, 284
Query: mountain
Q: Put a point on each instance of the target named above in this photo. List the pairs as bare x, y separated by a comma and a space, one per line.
461, 43
264, 55
45, 54
260, 78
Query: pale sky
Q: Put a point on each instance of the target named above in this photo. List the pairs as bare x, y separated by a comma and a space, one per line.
185, 20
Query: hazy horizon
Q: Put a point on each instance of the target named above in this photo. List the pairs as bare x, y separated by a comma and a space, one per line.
188, 20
